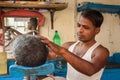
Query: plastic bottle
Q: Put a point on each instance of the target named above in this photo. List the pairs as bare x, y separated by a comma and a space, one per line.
56, 38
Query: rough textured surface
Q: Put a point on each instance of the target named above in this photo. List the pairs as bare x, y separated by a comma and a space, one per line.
29, 51
3, 63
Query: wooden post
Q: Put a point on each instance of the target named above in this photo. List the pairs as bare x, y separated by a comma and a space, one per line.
52, 18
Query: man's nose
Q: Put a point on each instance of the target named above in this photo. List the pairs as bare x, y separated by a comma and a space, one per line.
81, 29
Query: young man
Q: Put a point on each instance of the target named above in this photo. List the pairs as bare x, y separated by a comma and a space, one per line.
86, 57
32, 26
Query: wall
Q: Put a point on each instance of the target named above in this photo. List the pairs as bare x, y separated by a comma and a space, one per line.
65, 23
110, 30
109, 35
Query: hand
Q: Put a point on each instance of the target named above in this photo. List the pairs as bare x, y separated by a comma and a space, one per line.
55, 48
44, 39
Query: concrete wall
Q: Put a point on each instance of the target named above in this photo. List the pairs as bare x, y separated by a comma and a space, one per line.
65, 22
110, 30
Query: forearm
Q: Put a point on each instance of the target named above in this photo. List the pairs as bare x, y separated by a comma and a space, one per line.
78, 63
15, 31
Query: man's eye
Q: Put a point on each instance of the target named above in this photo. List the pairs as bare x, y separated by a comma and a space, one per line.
78, 25
86, 27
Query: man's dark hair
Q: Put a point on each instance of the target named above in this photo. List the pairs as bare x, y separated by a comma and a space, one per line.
29, 51
94, 16
34, 22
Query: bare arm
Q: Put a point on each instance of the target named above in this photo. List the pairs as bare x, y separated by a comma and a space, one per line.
13, 31
89, 68
52, 55
98, 61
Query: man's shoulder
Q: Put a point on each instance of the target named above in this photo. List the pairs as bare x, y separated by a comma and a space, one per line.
68, 44
101, 49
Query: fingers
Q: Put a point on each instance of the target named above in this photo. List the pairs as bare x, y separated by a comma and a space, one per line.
55, 48
46, 41
43, 39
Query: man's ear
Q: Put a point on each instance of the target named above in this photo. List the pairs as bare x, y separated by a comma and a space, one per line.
97, 30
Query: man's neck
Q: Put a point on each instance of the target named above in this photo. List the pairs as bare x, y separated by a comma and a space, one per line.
88, 43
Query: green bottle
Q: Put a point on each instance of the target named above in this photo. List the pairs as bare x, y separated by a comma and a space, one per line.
56, 38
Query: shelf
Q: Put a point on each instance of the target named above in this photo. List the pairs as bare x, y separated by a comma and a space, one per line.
33, 4
105, 8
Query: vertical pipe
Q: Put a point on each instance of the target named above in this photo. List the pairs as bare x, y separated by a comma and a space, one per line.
52, 18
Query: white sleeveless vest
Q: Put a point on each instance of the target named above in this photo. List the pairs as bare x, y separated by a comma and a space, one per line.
73, 74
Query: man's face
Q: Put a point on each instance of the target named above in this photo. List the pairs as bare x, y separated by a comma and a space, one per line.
29, 26
86, 31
